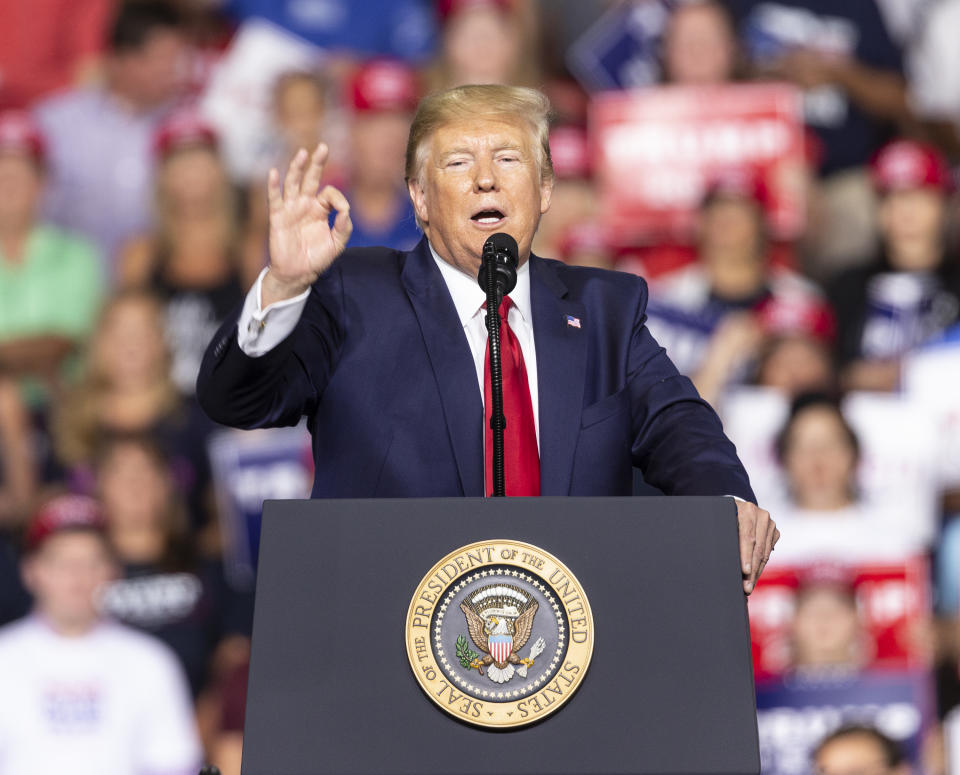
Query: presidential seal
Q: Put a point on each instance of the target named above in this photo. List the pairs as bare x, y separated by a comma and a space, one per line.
499, 633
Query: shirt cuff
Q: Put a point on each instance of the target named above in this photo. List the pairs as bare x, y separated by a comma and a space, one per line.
260, 330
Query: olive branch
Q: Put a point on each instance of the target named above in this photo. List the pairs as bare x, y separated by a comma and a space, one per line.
464, 654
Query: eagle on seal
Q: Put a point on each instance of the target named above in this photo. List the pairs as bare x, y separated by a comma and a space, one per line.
500, 620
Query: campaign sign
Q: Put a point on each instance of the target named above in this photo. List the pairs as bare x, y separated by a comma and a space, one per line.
248, 468
622, 48
892, 600
656, 152
795, 713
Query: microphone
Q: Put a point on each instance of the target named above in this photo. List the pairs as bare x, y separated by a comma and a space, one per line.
497, 277
501, 256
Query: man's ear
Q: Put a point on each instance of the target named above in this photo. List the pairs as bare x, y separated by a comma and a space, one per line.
546, 194
419, 199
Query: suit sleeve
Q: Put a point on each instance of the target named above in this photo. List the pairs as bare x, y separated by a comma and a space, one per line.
678, 440
284, 384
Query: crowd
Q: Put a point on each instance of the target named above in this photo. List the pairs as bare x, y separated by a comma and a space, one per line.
813, 296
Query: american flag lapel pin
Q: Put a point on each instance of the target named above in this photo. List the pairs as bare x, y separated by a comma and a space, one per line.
573, 322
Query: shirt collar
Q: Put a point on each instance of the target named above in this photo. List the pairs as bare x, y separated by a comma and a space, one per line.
468, 296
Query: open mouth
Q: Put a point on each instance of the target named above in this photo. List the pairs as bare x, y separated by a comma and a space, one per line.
488, 217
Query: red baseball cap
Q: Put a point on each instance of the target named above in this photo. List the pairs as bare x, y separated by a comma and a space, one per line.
182, 130
569, 151
905, 164
384, 84
737, 183
797, 313
64, 512
447, 8
19, 133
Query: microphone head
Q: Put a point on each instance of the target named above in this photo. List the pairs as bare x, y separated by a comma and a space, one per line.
504, 245
500, 255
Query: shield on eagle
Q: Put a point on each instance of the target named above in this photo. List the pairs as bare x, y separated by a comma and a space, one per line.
500, 647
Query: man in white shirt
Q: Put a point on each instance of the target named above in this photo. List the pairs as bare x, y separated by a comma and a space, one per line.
80, 694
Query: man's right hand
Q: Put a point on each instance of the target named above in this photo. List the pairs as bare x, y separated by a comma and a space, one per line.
302, 243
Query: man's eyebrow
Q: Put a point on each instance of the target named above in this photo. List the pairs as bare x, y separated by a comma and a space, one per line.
454, 151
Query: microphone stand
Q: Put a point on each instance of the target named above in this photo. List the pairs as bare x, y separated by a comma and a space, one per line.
498, 422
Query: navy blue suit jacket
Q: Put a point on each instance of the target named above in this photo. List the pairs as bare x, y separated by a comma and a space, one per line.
380, 365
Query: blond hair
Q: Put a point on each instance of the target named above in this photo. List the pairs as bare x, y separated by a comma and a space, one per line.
487, 101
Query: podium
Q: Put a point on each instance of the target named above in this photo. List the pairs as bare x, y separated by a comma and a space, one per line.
669, 686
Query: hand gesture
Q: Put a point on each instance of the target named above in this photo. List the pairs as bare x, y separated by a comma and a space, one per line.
302, 243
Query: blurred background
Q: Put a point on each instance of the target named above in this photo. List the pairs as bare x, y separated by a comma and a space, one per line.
783, 173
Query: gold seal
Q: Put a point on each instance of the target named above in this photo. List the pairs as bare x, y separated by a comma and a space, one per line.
499, 633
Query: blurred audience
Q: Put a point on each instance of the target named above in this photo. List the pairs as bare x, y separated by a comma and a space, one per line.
104, 192
934, 69
383, 96
14, 598
714, 315
164, 587
574, 199
18, 474
397, 28
192, 261
820, 452
48, 45
910, 291
485, 41
50, 281
795, 363
850, 70
80, 693
700, 46
858, 749
826, 634
127, 388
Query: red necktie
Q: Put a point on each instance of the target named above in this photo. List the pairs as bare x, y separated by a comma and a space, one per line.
521, 458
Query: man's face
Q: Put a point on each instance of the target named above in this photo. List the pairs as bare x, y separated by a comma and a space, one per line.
156, 72
65, 576
479, 177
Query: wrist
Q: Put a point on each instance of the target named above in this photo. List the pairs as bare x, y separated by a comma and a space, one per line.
274, 288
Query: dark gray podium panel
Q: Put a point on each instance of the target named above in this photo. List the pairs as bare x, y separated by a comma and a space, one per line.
669, 690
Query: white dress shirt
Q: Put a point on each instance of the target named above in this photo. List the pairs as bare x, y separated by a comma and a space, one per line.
260, 330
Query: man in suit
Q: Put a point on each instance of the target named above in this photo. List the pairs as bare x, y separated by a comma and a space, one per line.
384, 351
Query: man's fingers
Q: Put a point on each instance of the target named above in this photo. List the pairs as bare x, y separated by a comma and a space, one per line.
311, 180
274, 190
776, 537
342, 227
291, 184
748, 534
760, 546
333, 199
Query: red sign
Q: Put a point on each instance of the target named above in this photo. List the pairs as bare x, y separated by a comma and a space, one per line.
656, 152
893, 600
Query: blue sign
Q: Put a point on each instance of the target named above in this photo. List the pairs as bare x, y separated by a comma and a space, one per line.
622, 49
248, 468
795, 713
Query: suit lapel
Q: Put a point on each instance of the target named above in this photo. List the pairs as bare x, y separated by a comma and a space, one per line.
452, 363
561, 366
